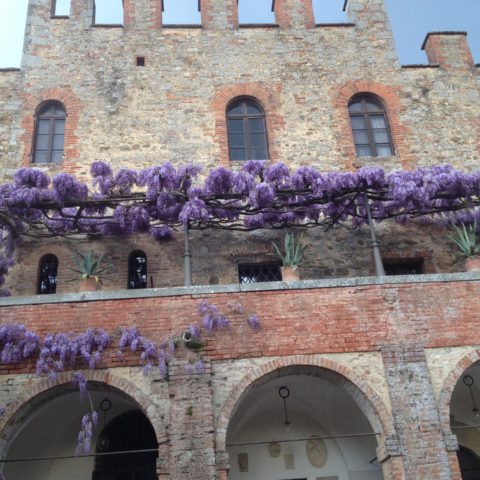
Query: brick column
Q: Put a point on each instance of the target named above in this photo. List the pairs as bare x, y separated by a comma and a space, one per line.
219, 14
448, 49
294, 13
192, 453
415, 413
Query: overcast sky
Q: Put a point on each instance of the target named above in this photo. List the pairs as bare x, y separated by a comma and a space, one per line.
410, 19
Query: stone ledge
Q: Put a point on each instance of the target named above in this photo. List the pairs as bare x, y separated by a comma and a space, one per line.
236, 288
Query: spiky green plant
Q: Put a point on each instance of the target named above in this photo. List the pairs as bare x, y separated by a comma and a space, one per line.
293, 250
465, 240
88, 266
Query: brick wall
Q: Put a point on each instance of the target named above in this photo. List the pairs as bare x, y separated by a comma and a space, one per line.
328, 328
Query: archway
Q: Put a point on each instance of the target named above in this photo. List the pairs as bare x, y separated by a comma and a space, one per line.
465, 421
43, 435
328, 434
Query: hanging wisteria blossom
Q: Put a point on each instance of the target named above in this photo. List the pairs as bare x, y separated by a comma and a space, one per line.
158, 199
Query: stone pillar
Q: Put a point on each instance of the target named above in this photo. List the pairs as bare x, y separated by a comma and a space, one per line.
415, 413
191, 431
294, 13
450, 50
219, 14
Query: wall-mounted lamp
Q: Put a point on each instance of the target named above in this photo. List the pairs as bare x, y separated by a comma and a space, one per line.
284, 393
468, 381
103, 441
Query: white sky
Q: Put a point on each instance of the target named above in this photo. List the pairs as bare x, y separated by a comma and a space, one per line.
410, 19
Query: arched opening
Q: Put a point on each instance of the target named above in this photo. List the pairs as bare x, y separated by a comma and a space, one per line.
129, 431
303, 422
137, 269
465, 421
247, 131
47, 274
371, 132
42, 437
49, 133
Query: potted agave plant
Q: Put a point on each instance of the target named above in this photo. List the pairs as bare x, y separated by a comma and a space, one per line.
292, 257
467, 248
90, 269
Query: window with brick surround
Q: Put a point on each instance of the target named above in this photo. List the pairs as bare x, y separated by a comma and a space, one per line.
259, 272
137, 270
49, 133
108, 12
247, 133
61, 8
47, 274
370, 127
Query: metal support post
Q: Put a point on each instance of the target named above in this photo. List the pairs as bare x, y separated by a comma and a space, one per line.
187, 259
376, 249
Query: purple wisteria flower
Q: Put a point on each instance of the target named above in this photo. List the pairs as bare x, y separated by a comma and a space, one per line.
254, 322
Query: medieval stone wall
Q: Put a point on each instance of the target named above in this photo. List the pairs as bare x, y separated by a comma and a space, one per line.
402, 343
174, 108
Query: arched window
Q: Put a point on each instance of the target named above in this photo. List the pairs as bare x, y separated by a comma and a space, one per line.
370, 127
47, 274
137, 270
247, 133
49, 133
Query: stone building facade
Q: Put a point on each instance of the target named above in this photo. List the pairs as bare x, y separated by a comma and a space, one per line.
373, 366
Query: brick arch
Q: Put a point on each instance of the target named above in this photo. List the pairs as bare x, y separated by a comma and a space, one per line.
44, 385
445, 397
444, 401
392, 103
371, 400
268, 98
73, 107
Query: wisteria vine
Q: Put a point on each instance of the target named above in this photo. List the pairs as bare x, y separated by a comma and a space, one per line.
158, 199
59, 352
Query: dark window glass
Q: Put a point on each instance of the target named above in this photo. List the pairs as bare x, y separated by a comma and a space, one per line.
247, 134
47, 274
137, 270
404, 266
49, 134
259, 273
370, 128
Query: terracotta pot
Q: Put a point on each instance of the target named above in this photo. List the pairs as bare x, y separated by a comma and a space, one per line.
290, 274
90, 284
472, 264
